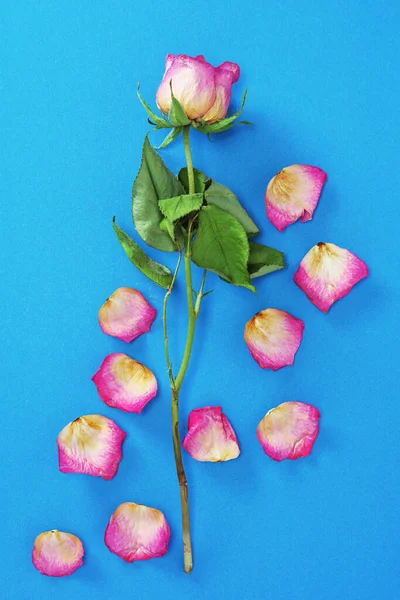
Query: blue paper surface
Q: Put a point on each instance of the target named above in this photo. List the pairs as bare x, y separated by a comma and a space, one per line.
322, 90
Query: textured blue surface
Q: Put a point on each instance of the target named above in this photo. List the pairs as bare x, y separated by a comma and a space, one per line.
321, 91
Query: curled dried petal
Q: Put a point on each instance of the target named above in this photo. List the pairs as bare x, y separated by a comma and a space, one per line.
126, 314
210, 437
225, 75
137, 532
90, 445
125, 383
328, 273
193, 85
289, 430
56, 553
273, 337
293, 194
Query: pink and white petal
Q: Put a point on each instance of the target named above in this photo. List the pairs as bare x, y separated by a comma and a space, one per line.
56, 553
293, 194
289, 430
225, 76
210, 436
90, 445
137, 532
273, 337
193, 85
125, 383
328, 273
126, 314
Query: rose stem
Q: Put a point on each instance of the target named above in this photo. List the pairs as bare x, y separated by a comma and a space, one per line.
176, 383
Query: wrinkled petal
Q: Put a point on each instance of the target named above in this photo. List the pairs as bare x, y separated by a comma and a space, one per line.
327, 273
90, 445
193, 85
126, 314
210, 437
289, 430
56, 553
137, 532
293, 194
125, 383
225, 76
273, 337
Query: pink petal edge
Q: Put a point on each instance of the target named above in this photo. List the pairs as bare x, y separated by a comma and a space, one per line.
56, 553
125, 383
328, 273
293, 194
273, 337
289, 430
90, 445
126, 314
137, 532
210, 436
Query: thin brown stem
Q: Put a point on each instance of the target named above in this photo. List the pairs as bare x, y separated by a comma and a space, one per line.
183, 486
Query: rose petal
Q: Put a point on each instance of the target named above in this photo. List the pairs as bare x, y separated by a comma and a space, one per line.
289, 430
125, 383
137, 532
273, 337
225, 76
56, 553
210, 437
90, 445
293, 194
126, 314
327, 273
193, 85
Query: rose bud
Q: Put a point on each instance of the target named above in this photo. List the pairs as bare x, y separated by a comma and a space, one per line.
125, 383
203, 91
273, 337
137, 532
289, 430
56, 553
90, 445
126, 314
293, 194
327, 273
210, 437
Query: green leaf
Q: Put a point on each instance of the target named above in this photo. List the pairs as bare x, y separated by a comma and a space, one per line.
176, 208
201, 181
152, 269
173, 231
221, 246
173, 134
264, 260
160, 122
226, 123
153, 182
221, 196
176, 114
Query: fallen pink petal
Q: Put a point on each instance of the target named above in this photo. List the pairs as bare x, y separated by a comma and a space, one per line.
328, 273
90, 445
293, 194
273, 337
210, 436
126, 314
137, 532
56, 553
289, 430
125, 383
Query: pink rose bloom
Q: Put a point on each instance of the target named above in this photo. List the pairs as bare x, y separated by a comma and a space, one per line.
203, 91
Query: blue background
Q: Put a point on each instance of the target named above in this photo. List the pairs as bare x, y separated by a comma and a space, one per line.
321, 91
